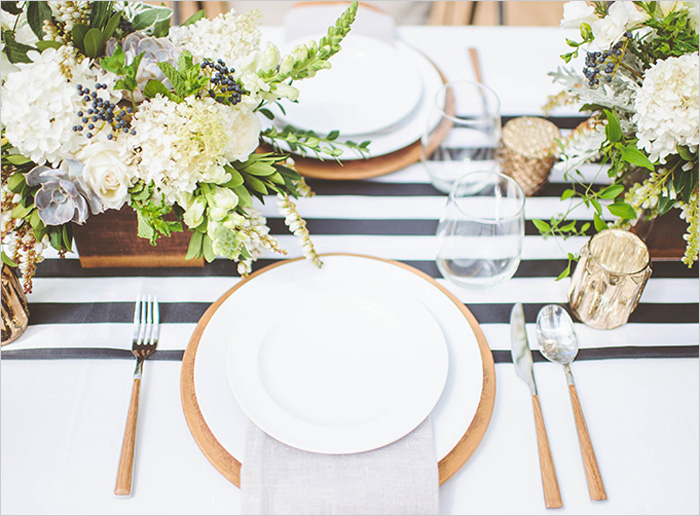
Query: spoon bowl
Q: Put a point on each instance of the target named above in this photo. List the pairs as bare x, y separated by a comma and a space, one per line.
556, 335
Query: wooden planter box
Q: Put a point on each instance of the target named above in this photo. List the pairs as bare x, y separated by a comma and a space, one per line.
663, 236
111, 239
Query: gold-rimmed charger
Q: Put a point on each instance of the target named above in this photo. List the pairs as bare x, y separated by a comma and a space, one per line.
230, 467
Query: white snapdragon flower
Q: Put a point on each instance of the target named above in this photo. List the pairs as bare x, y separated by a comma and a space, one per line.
194, 215
106, 171
621, 17
576, 13
666, 107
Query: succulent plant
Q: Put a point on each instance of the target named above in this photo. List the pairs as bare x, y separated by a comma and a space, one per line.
63, 196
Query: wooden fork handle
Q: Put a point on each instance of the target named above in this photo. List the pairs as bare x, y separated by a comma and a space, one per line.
126, 460
595, 483
552, 497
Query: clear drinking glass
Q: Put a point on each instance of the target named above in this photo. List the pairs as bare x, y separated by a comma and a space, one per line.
463, 133
481, 231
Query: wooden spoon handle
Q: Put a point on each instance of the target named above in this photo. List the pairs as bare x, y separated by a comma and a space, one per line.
126, 460
552, 497
595, 483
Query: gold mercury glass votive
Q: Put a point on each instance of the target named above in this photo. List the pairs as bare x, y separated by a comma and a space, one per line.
15, 312
609, 278
528, 151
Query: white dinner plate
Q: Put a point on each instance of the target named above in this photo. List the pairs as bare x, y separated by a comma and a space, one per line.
450, 417
403, 133
370, 86
335, 362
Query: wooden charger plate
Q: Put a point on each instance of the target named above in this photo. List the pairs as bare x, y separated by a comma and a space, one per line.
230, 467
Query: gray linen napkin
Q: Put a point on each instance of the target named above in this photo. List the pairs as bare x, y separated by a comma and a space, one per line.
400, 478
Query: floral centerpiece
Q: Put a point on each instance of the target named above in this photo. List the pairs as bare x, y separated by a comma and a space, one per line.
105, 105
639, 86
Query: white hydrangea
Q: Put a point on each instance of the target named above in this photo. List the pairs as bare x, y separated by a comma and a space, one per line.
183, 144
39, 105
667, 107
229, 36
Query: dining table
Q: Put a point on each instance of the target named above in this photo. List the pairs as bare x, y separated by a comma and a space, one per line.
66, 381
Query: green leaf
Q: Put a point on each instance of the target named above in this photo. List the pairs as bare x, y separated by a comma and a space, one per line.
154, 87
208, 248
599, 223
78, 33
195, 17
568, 193
67, 235
613, 130
333, 135
585, 227
175, 77
35, 220
16, 182
244, 198
144, 19
55, 239
611, 191
236, 178
184, 62
19, 211
665, 204
37, 12
622, 210
267, 113
586, 32
145, 230
98, 13
11, 7
111, 26
127, 83
6, 259
565, 273
684, 153
17, 159
541, 225
15, 51
255, 184
93, 43
194, 250
631, 154
44, 44
161, 29
572, 43
596, 205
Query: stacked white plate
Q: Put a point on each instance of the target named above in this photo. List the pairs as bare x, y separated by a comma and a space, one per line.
374, 91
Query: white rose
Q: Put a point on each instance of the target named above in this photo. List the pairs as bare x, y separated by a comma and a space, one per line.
576, 13
621, 17
244, 136
106, 172
194, 215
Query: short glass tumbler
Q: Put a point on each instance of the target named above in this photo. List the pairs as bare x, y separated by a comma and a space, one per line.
481, 232
463, 133
609, 278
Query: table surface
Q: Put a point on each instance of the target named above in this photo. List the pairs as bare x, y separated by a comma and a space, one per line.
63, 419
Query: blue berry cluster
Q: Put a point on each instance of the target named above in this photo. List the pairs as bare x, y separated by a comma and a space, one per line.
594, 70
99, 110
222, 86
125, 26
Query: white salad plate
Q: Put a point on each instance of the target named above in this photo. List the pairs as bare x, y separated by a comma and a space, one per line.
223, 417
370, 86
400, 134
335, 363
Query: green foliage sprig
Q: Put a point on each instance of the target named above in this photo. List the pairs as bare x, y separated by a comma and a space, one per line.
309, 142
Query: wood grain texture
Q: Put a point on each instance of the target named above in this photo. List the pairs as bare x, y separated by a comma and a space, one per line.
230, 467
126, 460
550, 484
595, 482
111, 239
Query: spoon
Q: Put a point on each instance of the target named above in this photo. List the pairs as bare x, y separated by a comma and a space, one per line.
558, 343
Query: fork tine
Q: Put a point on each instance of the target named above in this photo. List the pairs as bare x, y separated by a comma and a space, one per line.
156, 321
137, 309
142, 321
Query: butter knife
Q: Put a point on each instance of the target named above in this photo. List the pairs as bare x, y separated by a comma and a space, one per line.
522, 359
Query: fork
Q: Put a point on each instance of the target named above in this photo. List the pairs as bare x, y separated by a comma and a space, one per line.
146, 320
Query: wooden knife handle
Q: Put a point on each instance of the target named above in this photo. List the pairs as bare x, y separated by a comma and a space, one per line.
595, 483
126, 461
552, 497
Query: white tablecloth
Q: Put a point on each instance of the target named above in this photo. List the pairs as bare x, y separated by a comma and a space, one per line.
62, 420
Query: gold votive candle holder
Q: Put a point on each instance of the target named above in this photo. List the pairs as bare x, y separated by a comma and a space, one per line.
15, 312
609, 278
528, 151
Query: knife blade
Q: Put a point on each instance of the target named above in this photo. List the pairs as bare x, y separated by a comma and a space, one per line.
522, 359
